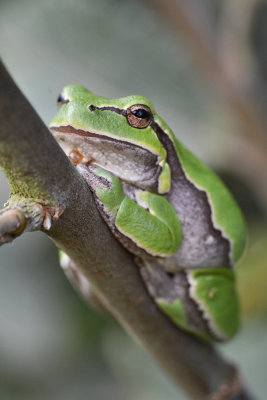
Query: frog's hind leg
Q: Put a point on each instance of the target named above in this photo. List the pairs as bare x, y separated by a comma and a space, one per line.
203, 301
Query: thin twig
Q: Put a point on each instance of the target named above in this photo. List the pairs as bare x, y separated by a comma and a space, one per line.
12, 224
181, 16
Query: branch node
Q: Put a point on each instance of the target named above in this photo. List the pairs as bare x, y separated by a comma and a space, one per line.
50, 214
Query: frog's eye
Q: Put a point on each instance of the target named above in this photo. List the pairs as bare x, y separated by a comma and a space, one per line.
139, 116
61, 100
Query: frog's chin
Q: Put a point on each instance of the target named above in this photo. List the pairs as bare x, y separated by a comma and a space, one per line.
128, 161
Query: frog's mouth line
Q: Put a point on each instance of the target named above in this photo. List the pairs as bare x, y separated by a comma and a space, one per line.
68, 129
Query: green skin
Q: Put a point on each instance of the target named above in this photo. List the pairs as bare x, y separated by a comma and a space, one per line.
162, 204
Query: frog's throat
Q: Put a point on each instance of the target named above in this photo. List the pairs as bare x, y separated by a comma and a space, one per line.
124, 159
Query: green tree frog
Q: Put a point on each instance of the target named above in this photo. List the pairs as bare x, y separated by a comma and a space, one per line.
162, 204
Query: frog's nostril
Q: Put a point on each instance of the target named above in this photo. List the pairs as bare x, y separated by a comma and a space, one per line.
61, 100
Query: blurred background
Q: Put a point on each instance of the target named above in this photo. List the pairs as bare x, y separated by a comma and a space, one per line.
204, 66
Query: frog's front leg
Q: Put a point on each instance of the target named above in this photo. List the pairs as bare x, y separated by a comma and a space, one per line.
145, 224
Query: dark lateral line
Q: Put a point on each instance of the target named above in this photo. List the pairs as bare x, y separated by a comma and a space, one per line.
107, 108
166, 143
157, 129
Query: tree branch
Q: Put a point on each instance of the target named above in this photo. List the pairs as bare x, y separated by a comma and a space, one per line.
53, 196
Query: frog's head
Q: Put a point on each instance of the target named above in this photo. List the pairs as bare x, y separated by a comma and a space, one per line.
118, 135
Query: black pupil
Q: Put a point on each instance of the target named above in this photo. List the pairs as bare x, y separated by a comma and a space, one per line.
140, 113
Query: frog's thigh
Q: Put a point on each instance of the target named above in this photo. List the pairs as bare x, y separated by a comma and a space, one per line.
214, 290
159, 233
